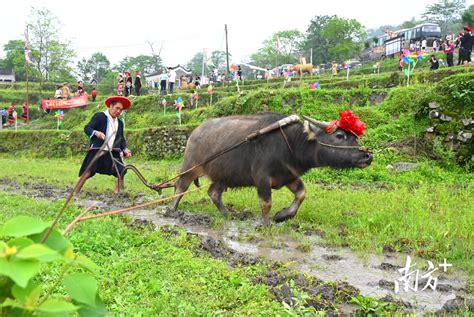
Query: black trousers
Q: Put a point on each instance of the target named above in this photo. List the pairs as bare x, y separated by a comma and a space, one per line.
449, 59
137, 90
171, 87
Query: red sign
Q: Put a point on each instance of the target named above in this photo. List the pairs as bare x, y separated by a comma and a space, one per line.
64, 104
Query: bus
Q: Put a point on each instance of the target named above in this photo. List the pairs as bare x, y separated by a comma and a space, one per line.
425, 31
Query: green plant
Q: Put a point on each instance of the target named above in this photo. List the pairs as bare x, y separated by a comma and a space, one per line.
34, 275
372, 307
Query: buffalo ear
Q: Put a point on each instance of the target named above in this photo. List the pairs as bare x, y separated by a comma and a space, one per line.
308, 131
319, 124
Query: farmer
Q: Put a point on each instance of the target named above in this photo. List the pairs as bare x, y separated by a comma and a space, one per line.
106, 126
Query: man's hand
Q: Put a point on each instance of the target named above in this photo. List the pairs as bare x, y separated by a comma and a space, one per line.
127, 153
100, 135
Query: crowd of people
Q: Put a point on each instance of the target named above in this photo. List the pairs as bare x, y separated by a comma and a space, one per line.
125, 84
9, 115
463, 42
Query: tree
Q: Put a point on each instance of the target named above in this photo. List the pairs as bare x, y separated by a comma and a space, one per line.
446, 13
315, 40
15, 58
146, 64
195, 64
468, 16
409, 24
93, 68
218, 60
344, 38
281, 48
51, 57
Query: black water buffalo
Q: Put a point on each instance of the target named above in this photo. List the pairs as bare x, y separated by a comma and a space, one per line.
268, 161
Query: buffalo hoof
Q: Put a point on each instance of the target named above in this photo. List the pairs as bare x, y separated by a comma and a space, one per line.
283, 215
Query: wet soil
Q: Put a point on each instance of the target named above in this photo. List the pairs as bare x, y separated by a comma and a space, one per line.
326, 274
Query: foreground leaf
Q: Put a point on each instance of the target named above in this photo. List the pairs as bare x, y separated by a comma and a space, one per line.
55, 241
81, 287
19, 271
56, 306
89, 311
87, 264
40, 252
28, 296
22, 226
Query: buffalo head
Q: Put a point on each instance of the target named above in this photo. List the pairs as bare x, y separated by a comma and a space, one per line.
336, 148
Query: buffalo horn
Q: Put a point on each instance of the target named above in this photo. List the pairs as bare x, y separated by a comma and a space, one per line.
322, 125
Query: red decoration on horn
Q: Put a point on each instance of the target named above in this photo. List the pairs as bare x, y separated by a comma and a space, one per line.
348, 122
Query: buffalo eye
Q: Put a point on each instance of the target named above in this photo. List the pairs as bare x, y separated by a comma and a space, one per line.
341, 136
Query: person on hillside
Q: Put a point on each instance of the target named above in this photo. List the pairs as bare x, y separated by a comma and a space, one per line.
65, 92
80, 88
11, 118
239, 73
465, 46
197, 81
138, 83
163, 80
334, 68
423, 44
57, 93
93, 94
4, 114
120, 85
107, 127
449, 51
435, 46
128, 84
172, 79
24, 112
434, 62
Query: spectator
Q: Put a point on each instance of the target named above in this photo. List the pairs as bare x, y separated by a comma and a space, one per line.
120, 85
10, 111
216, 75
423, 44
334, 68
435, 46
80, 88
172, 79
163, 80
138, 83
128, 84
3, 113
434, 63
239, 73
24, 112
94, 94
465, 47
65, 92
449, 51
197, 81
57, 93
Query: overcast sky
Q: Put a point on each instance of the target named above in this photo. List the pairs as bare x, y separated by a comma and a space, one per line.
183, 27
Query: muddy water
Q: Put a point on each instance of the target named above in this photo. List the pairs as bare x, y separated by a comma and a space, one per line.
373, 275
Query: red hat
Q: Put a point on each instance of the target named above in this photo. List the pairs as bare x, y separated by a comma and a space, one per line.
468, 28
123, 100
127, 73
137, 72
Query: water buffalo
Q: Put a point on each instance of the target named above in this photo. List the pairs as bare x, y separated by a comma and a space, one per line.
267, 162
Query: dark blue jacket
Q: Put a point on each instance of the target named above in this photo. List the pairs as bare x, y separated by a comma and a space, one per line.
99, 123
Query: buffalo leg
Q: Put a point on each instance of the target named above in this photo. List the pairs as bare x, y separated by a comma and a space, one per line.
297, 188
215, 192
182, 185
265, 197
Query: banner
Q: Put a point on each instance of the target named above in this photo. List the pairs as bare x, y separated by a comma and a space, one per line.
64, 104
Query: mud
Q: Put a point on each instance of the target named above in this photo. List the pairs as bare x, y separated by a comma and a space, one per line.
238, 243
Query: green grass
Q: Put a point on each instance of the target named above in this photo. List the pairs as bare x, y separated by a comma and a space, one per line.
144, 273
427, 211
